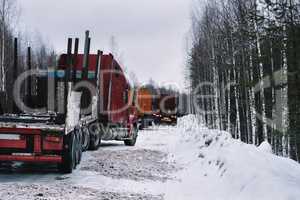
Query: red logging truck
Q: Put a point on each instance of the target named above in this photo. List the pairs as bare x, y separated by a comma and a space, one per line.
74, 106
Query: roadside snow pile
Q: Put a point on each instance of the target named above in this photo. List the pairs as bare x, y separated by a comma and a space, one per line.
189, 123
265, 147
222, 168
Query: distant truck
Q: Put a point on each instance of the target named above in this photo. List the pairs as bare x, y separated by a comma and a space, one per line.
166, 107
144, 103
78, 118
156, 108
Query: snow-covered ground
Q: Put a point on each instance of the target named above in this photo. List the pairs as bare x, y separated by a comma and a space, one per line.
172, 163
218, 167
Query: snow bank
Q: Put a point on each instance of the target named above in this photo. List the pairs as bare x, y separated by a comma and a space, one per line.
265, 147
189, 122
220, 168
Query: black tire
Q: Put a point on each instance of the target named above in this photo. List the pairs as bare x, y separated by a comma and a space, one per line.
95, 142
78, 148
86, 139
69, 155
141, 127
132, 141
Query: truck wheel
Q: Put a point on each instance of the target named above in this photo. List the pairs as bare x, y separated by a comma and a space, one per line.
78, 148
95, 142
69, 155
132, 141
85, 139
141, 127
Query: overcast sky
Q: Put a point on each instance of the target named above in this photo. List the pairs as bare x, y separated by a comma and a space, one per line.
150, 33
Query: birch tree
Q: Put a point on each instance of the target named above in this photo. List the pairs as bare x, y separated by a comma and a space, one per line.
257, 60
8, 15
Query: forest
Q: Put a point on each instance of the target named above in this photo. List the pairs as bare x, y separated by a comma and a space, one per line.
244, 71
26, 43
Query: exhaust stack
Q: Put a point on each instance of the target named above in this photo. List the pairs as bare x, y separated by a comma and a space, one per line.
15, 73
87, 46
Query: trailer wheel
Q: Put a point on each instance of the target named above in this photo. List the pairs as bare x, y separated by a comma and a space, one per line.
141, 127
85, 139
69, 155
95, 141
78, 148
132, 141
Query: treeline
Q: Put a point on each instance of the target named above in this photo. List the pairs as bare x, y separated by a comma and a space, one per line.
42, 55
244, 70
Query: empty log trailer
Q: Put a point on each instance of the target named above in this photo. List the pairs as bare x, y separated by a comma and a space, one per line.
70, 117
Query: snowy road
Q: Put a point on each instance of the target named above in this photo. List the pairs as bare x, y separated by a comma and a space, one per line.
187, 162
113, 172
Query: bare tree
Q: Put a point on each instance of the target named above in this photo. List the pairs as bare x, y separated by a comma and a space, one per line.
115, 50
8, 14
251, 47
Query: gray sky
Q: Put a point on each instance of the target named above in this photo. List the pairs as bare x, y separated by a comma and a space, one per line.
150, 33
